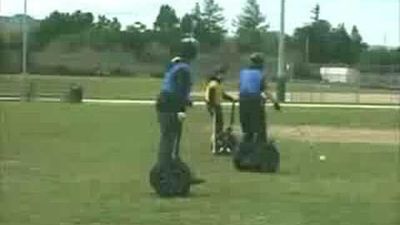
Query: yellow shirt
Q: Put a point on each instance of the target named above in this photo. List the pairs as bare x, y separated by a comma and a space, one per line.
218, 91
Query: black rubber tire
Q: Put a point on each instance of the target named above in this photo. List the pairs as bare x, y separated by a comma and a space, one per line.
245, 158
173, 181
271, 158
232, 143
227, 144
252, 157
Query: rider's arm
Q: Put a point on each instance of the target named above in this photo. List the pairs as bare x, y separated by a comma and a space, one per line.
265, 91
183, 85
228, 97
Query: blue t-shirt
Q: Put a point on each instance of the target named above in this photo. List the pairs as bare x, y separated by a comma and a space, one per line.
172, 82
176, 87
251, 82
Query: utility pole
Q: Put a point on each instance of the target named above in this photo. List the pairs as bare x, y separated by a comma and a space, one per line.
194, 27
281, 89
25, 39
308, 49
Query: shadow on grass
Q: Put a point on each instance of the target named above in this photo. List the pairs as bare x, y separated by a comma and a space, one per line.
192, 195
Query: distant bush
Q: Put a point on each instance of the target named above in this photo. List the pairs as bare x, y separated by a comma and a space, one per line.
158, 75
60, 70
306, 71
302, 71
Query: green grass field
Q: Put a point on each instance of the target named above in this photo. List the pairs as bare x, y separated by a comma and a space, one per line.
88, 164
145, 88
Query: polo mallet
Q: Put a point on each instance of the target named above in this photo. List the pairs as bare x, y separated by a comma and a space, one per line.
232, 119
227, 141
176, 151
214, 134
229, 137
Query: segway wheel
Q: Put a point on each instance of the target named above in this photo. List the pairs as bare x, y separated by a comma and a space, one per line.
271, 158
222, 147
230, 145
245, 157
172, 181
238, 157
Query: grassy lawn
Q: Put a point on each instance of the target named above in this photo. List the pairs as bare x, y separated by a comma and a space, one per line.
352, 118
145, 88
94, 87
88, 164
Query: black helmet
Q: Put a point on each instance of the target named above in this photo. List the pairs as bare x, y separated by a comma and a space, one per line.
219, 72
215, 77
221, 69
257, 59
188, 48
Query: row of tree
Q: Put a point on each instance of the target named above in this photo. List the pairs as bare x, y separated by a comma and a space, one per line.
317, 42
323, 43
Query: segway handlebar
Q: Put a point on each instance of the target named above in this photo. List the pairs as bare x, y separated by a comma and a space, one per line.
232, 119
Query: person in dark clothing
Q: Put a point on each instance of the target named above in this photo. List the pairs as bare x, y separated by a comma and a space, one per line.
253, 94
214, 95
172, 102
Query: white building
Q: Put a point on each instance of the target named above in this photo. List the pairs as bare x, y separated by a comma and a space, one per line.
339, 75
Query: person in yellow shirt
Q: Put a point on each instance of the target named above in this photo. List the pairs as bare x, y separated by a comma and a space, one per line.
214, 96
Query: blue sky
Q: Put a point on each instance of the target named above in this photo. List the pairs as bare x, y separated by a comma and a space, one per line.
377, 20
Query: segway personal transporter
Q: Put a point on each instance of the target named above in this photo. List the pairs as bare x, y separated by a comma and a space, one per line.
226, 142
174, 179
257, 156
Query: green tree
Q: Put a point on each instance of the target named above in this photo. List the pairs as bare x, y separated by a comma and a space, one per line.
313, 41
251, 27
166, 19
104, 23
57, 24
166, 26
385, 57
327, 44
105, 33
193, 23
357, 45
2, 46
320, 43
197, 20
355, 35
315, 13
271, 42
212, 21
207, 24
339, 46
187, 24
136, 37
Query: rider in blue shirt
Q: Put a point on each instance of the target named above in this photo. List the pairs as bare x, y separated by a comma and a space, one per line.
172, 102
253, 95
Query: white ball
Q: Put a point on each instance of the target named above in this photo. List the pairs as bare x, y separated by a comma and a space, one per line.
322, 157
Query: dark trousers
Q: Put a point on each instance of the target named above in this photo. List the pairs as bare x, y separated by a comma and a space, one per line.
217, 118
170, 135
253, 119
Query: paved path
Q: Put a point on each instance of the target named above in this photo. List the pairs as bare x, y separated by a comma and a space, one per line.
327, 97
200, 103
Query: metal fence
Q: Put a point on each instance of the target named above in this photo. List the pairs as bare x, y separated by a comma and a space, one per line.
39, 86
